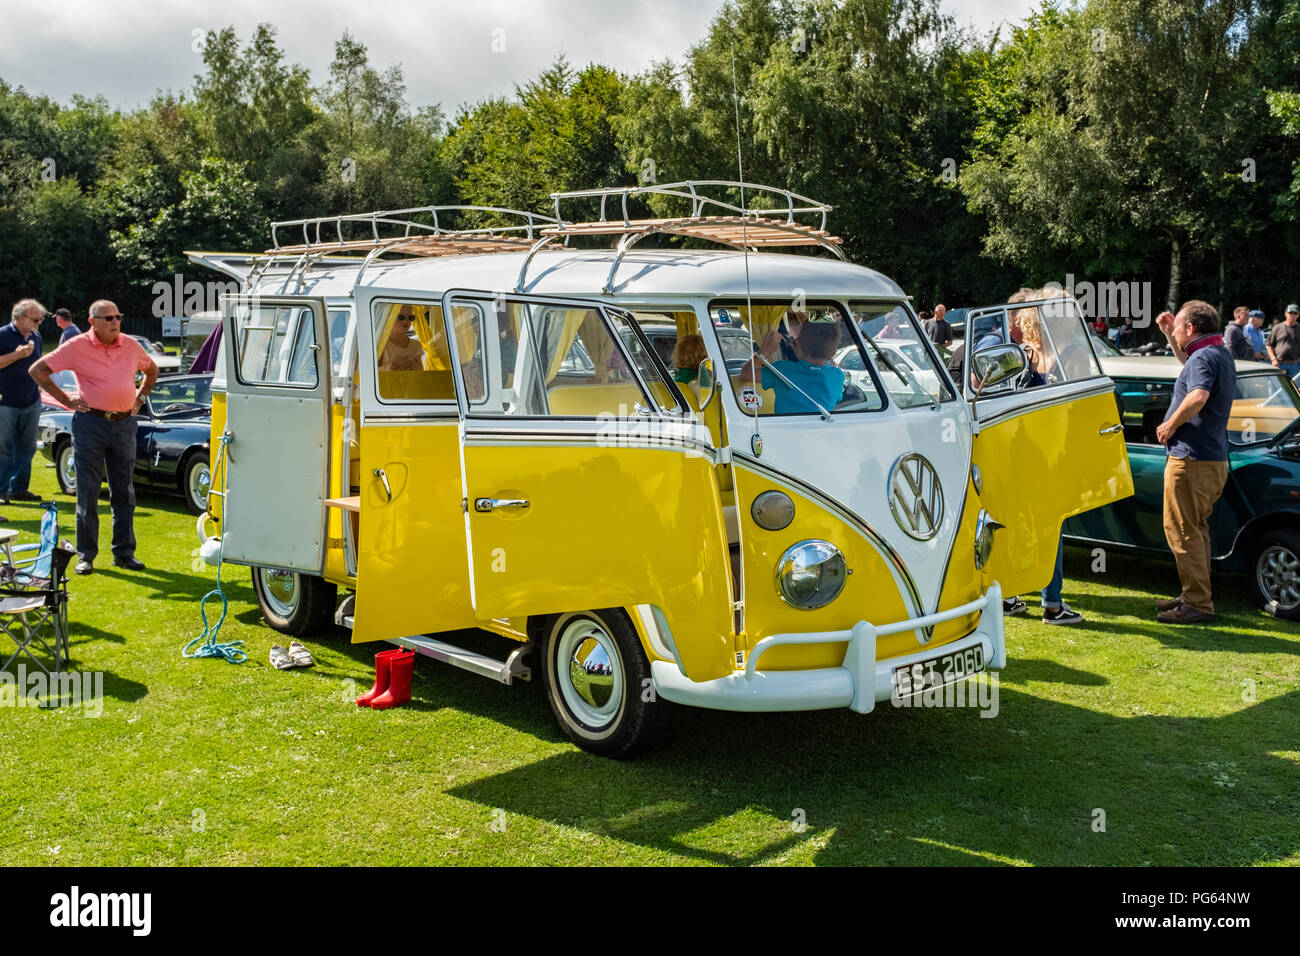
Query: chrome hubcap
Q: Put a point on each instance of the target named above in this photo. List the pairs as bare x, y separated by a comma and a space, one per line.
590, 677
280, 589
68, 468
1278, 573
200, 479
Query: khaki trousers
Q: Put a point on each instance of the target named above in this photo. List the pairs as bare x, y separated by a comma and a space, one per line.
1191, 489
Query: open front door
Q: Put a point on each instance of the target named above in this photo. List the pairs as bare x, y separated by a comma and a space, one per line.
1049, 443
277, 412
588, 483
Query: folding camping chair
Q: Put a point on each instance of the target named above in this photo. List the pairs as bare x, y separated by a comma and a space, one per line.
34, 598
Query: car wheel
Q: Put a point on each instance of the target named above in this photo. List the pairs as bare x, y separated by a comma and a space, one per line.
294, 603
597, 680
1277, 573
195, 482
65, 467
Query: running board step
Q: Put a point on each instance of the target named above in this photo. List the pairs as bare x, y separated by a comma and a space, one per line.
512, 668
343, 616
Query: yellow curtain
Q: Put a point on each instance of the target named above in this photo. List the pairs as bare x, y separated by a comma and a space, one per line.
573, 318
687, 324
595, 337
764, 319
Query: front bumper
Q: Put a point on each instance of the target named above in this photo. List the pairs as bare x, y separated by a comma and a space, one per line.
858, 683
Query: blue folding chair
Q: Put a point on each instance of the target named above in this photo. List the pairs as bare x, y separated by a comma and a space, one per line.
34, 596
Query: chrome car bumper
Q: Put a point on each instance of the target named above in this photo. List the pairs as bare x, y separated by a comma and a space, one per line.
858, 683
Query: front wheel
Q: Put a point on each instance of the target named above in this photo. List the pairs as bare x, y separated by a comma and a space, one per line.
65, 467
1276, 573
195, 482
294, 603
598, 683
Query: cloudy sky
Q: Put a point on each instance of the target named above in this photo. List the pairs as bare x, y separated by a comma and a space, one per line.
451, 52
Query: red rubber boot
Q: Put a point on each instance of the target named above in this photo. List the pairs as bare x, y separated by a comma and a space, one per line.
401, 668
383, 660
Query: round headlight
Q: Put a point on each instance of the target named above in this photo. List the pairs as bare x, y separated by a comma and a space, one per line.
811, 574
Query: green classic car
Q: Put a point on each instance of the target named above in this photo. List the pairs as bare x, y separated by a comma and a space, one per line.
1255, 526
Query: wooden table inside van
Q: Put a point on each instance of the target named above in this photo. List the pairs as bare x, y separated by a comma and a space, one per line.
351, 505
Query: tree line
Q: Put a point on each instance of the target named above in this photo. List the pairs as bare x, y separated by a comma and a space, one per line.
1112, 141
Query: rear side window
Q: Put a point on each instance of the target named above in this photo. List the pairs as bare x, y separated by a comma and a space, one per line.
411, 354
275, 345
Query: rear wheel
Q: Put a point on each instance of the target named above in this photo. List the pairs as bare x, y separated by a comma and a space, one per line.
598, 683
65, 467
294, 603
1276, 573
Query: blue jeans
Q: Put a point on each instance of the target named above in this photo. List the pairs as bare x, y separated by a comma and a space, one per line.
18, 427
100, 448
1290, 368
1052, 593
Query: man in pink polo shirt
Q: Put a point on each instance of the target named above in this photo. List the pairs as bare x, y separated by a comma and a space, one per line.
104, 426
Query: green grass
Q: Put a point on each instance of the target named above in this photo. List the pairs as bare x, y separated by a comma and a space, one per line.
202, 762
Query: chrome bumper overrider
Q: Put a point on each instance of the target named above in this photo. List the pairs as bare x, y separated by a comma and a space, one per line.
857, 684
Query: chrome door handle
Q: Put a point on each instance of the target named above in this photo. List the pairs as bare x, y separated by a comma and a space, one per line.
492, 504
383, 476
1112, 430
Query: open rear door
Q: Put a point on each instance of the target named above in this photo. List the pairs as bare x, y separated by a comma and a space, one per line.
277, 414
1048, 449
588, 482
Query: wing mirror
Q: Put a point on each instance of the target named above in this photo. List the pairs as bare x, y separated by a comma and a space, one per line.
996, 364
706, 386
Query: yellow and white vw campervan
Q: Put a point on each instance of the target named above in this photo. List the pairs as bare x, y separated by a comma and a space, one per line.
540, 430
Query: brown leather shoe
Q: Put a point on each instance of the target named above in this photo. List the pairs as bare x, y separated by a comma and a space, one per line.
1184, 614
1168, 604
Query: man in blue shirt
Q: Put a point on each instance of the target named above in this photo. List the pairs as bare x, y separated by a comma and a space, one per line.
1255, 334
67, 328
20, 400
1195, 431
816, 381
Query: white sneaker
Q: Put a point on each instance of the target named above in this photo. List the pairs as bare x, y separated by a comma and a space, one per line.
1062, 615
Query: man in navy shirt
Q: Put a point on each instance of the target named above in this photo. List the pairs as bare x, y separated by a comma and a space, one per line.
1195, 431
67, 328
20, 400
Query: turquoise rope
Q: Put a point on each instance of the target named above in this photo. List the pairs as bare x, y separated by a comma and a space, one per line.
207, 641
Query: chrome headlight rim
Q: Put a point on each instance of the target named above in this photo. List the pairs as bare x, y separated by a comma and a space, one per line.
831, 569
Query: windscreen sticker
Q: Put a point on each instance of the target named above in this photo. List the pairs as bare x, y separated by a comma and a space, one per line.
751, 399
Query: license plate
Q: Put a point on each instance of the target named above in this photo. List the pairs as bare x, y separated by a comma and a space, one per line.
938, 671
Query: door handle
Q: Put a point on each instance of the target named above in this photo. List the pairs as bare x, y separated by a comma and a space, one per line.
1112, 430
383, 476
492, 504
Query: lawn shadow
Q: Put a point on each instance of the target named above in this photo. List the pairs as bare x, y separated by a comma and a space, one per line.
926, 787
1054, 672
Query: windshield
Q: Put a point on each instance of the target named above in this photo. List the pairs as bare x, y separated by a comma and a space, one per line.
894, 344
1263, 407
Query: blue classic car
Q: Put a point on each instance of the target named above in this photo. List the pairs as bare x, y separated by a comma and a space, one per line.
1255, 526
171, 451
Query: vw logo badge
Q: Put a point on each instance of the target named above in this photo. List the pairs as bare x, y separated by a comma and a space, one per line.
915, 497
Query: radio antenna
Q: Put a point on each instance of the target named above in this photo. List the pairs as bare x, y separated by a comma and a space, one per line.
756, 440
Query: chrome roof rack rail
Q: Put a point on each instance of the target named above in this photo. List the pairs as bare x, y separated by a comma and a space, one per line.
400, 230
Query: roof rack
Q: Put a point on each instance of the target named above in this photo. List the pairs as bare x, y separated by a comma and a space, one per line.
394, 230
740, 227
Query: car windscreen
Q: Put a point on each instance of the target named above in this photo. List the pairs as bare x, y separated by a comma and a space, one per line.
1263, 407
895, 347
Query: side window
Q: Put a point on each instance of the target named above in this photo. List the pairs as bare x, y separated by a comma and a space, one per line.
275, 345
554, 361
1142, 407
411, 354
1052, 333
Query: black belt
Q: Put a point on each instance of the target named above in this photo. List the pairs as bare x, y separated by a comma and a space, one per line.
108, 416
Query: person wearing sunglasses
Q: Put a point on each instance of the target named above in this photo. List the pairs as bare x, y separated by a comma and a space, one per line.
103, 429
402, 352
